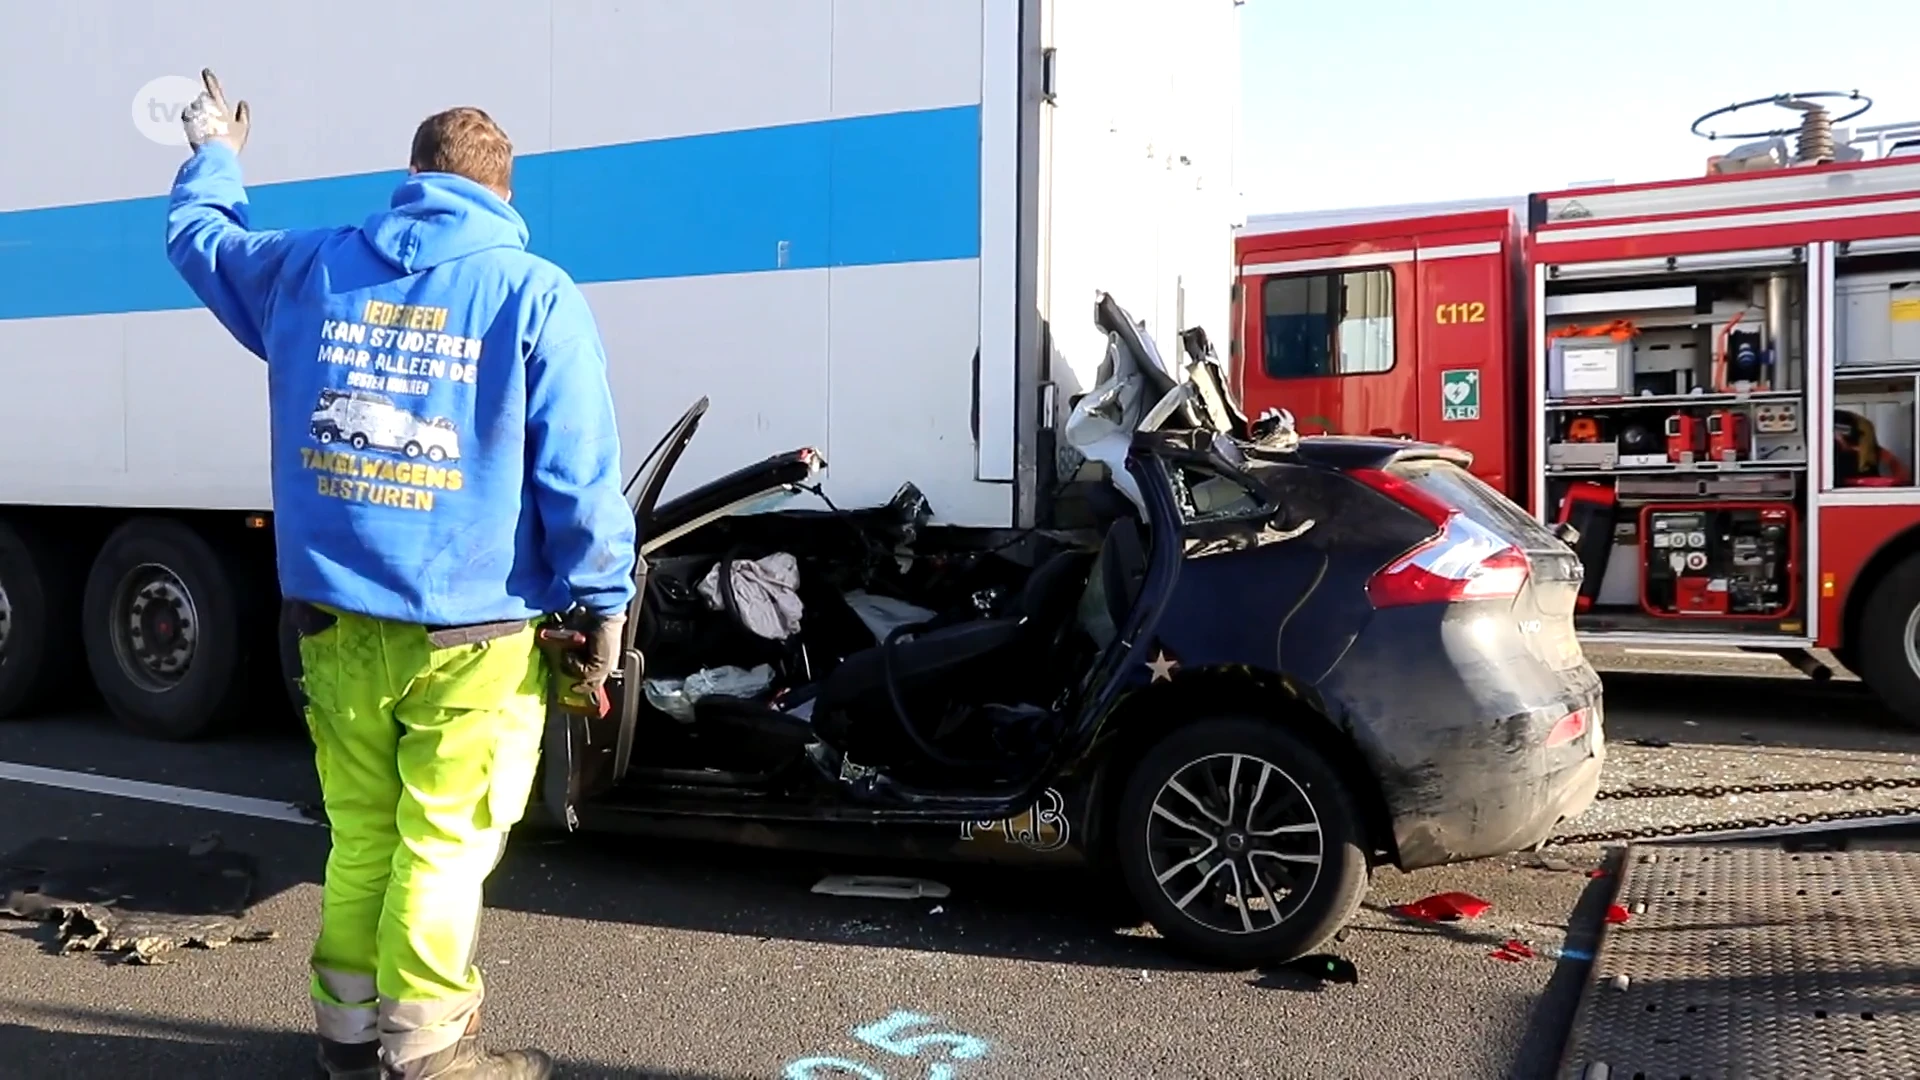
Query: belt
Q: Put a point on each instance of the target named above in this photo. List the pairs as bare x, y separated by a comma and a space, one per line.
308, 619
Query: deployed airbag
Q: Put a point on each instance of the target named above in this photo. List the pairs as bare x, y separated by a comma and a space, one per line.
676, 697
766, 594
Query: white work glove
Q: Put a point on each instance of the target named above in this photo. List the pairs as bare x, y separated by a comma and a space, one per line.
208, 119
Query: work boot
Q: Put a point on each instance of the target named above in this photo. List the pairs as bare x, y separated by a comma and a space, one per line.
347, 1061
468, 1060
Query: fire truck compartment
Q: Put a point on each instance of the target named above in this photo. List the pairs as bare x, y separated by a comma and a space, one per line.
1673, 425
1750, 960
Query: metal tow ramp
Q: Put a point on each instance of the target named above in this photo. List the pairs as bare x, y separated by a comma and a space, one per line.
1744, 962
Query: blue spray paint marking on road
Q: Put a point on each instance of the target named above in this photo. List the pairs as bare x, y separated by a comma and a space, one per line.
887, 1036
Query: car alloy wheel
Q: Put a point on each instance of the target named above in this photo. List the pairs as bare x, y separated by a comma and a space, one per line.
1234, 843
1240, 841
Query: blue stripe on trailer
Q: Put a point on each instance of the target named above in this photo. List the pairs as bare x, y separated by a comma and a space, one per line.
861, 191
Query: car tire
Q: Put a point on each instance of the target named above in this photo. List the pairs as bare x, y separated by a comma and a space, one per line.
185, 682
412, 450
325, 437
39, 621
357, 441
1325, 895
436, 455
1888, 654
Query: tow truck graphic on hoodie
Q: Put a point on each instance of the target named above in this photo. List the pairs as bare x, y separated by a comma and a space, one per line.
443, 441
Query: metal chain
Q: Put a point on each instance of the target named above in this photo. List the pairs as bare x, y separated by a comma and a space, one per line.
1715, 791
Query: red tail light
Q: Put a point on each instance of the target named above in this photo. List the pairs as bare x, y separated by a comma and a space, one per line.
1571, 726
1464, 561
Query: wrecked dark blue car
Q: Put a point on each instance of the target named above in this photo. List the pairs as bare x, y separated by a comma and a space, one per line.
1238, 669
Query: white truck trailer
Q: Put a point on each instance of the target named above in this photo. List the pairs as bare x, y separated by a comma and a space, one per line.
874, 227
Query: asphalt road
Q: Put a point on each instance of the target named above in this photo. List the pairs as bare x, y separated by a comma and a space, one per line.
634, 959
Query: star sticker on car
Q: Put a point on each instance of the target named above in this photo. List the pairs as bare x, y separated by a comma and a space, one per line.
1162, 666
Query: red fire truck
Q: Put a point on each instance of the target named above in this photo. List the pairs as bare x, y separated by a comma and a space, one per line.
1712, 380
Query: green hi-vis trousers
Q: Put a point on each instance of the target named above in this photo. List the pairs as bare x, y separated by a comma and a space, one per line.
426, 746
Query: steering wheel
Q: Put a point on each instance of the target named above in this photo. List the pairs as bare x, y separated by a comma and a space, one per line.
1802, 102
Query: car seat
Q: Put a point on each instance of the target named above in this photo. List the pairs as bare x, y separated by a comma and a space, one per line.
867, 705
1119, 574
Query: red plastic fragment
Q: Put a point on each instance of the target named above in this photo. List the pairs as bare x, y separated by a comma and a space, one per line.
1596, 873
1513, 951
1445, 907
1616, 914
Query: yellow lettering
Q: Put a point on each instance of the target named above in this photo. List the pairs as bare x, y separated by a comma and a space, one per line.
453, 479
403, 473
423, 500
369, 468
386, 470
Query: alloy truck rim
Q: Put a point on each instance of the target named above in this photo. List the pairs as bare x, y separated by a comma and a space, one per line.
1234, 843
1911, 639
155, 627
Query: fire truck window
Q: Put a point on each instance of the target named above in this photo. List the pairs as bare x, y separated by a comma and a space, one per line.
1327, 324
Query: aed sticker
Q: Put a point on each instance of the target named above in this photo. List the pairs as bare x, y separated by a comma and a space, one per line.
1460, 394
1904, 309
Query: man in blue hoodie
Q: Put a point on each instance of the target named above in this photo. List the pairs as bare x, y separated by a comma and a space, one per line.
445, 475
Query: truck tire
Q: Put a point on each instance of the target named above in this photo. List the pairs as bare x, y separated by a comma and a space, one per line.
1160, 860
1888, 650
162, 628
39, 622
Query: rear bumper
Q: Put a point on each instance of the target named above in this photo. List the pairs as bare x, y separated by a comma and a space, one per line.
1512, 815
1453, 713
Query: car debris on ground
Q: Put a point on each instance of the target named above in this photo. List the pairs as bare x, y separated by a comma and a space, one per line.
881, 887
134, 903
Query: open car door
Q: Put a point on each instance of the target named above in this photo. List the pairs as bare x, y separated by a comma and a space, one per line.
582, 756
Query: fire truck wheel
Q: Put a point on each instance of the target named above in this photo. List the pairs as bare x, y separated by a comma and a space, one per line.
1889, 647
39, 634
162, 627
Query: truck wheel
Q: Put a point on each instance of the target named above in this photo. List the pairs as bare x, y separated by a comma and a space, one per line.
1888, 650
39, 617
412, 450
162, 631
1240, 843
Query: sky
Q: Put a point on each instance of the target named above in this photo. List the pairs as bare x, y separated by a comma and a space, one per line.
1349, 103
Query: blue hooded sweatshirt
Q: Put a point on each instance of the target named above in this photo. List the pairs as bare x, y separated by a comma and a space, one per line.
443, 440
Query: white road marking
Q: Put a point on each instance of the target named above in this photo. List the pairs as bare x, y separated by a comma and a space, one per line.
1703, 654
163, 793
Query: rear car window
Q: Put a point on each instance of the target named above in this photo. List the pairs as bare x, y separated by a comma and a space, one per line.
1473, 497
